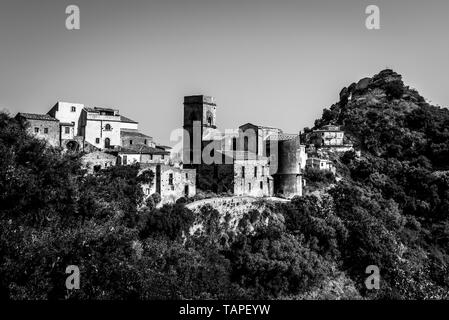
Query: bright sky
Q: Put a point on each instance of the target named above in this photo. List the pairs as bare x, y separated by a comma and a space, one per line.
275, 63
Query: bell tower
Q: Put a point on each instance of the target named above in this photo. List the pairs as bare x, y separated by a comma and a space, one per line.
199, 118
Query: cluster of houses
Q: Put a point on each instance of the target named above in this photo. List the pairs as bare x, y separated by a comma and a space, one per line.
253, 160
108, 138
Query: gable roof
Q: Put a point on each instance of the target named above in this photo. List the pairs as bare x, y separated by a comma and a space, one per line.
127, 120
133, 133
36, 116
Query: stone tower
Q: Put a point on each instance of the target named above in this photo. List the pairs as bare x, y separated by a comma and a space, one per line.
288, 178
199, 120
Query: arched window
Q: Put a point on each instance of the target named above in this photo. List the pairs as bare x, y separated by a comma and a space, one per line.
108, 127
209, 118
246, 143
107, 143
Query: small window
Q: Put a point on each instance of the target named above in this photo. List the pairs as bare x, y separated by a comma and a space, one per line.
67, 130
130, 142
243, 172
163, 157
108, 127
170, 179
249, 187
261, 185
125, 160
255, 172
187, 176
151, 157
73, 109
145, 141
36, 130
46, 130
97, 140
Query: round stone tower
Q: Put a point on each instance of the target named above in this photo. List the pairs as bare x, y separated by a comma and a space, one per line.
288, 177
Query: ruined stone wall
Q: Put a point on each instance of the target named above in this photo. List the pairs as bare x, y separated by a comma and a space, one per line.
98, 159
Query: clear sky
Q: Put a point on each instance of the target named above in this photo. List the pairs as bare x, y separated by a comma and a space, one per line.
274, 63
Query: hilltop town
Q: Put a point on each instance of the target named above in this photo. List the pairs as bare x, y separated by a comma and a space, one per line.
254, 160
250, 213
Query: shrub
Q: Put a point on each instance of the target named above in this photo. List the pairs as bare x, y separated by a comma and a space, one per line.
156, 198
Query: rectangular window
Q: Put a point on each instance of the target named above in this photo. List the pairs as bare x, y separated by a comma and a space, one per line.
46, 130
263, 171
145, 141
67, 130
130, 142
163, 157
261, 185
249, 187
151, 157
125, 160
73, 109
170, 179
36, 130
187, 176
97, 140
243, 172
255, 172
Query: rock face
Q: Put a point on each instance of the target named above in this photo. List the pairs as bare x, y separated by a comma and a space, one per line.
231, 211
374, 86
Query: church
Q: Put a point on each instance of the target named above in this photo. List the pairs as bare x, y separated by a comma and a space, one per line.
252, 160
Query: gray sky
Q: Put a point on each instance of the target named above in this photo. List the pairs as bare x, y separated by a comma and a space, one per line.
275, 63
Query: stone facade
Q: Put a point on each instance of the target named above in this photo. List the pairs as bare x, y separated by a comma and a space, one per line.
170, 182
97, 160
41, 126
131, 137
321, 164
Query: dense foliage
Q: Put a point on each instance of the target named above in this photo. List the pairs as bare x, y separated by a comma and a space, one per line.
389, 207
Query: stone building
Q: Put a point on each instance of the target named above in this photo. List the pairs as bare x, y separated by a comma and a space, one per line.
288, 180
101, 127
141, 154
68, 113
239, 173
169, 181
97, 160
328, 135
321, 164
243, 161
42, 126
132, 137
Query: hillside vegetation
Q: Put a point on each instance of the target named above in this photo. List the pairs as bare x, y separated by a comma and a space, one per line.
390, 209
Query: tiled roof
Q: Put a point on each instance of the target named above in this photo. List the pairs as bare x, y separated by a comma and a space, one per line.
35, 116
132, 133
127, 120
142, 149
